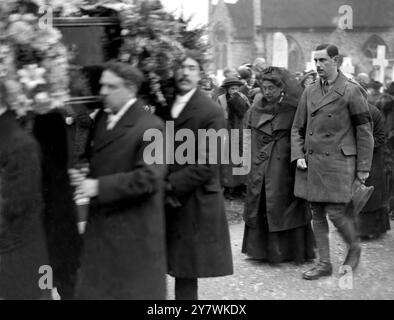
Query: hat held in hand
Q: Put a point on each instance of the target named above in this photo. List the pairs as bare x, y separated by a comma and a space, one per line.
360, 196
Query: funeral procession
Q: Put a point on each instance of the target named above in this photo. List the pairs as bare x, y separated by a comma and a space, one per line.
213, 150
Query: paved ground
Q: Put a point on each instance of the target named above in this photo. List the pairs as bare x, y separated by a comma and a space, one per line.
374, 279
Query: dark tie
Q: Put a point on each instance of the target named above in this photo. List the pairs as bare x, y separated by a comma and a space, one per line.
325, 86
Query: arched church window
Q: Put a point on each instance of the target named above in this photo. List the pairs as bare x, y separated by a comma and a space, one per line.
371, 45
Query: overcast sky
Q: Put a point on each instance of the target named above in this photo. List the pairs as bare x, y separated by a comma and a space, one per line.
196, 8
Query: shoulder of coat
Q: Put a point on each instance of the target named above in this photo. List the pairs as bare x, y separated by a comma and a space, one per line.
353, 82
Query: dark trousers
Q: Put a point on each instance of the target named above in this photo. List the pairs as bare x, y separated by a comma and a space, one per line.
341, 220
186, 289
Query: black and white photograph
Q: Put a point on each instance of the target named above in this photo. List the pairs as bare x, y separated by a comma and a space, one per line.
217, 152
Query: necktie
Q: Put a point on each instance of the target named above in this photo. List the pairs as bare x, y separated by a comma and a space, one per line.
325, 86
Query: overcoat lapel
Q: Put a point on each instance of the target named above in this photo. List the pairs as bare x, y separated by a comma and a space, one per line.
188, 111
104, 137
319, 100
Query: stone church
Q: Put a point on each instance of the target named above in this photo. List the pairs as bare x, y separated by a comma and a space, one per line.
285, 32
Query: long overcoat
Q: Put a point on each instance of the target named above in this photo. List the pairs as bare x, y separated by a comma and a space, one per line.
198, 241
333, 133
60, 217
377, 176
236, 107
124, 245
22, 242
271, 169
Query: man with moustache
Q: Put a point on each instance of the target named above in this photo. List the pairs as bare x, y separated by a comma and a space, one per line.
198, 242
124, 245
332, 143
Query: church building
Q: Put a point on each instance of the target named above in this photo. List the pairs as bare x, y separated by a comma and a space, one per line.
285, 33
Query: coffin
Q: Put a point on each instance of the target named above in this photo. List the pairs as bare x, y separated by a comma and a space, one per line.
95, 41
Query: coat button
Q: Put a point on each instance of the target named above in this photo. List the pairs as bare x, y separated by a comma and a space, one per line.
313, 114
278, 157
329, 115
311, 133
310, 151
327, 153
328, 135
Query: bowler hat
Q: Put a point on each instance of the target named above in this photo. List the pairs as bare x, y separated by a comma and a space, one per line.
360, 196
232, 81
390, 88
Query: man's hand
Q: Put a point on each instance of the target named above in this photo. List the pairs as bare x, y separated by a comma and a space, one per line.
87, 189
301, 164
362, 176
77, 176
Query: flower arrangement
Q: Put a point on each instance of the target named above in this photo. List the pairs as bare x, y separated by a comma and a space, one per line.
155, 42
34, 64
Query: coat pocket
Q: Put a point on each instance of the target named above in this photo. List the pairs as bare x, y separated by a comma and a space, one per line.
349, 150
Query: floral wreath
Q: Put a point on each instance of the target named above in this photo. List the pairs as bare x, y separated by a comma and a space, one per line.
33, 64
155, 42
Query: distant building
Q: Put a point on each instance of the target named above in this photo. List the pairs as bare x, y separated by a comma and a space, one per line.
246, 29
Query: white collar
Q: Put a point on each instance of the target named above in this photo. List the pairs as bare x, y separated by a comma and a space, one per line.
2, 111
186, 97
122, 110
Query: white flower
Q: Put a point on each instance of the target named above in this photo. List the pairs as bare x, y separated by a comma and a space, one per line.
21, 31
31, 76
42, 97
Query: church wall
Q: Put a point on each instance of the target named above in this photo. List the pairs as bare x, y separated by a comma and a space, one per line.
241, 52
349, 44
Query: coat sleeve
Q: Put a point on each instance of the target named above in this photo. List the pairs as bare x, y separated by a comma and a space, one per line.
142, 181
362, 122
239, 105
298, 129
193, 176
21, 181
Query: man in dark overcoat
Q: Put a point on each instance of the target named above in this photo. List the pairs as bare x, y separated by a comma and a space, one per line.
23, 248
198, 241
332, 143
124, 245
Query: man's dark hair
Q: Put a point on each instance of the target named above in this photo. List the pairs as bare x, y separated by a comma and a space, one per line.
197, 56
332, 50
131, 75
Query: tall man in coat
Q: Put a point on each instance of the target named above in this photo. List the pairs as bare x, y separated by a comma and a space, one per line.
23, 248
124, 245
332, 143
198, 241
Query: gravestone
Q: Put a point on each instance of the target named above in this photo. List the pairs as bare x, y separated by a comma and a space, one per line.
311, 65
381, 62
347, 67
280, 51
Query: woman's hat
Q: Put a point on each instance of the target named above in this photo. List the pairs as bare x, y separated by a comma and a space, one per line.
307, 75
390, 88
232, 82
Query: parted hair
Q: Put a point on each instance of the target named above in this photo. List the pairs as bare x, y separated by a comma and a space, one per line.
332, 50
130, 74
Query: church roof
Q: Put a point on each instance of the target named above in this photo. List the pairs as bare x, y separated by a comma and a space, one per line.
323, 13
